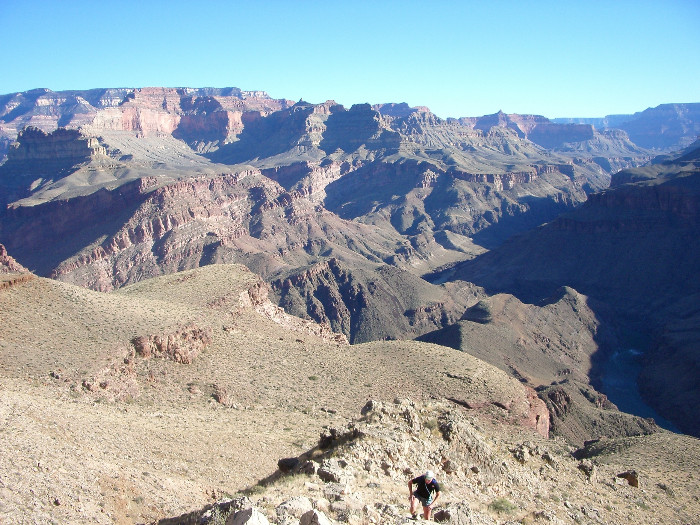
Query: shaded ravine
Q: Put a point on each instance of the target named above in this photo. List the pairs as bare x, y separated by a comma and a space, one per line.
619, 383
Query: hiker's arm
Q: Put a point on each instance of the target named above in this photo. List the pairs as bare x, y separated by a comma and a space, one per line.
437, 497
410, 488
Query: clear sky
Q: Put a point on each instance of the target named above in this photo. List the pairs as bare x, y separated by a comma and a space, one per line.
560, 58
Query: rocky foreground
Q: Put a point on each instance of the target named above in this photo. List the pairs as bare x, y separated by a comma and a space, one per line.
488, 474
174, 399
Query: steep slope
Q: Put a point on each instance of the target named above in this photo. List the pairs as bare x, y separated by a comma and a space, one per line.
557, 347
486, 475
8, 263
634, 247
123, 406
369, 302
203, 117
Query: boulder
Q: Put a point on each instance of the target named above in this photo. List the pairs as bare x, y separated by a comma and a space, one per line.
334, 471
287, 464
587, 467
295, 507
631, 476
251, 516
314, 517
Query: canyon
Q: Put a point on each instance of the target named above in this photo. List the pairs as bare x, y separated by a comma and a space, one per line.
515, 246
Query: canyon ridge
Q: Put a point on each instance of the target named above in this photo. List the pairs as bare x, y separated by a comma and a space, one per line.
181, 262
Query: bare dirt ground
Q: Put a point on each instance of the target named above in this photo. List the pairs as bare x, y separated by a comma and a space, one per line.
93, 432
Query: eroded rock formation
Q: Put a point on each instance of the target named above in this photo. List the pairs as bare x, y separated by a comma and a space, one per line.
8, 264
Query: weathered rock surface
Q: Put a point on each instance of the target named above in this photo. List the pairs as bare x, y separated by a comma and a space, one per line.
486, 477
635, 248
339, 208
665, 127
182, 345
8, 264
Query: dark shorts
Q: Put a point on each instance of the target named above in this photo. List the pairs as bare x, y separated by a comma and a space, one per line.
424, 501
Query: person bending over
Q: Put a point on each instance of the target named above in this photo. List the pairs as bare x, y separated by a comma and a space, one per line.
427, 492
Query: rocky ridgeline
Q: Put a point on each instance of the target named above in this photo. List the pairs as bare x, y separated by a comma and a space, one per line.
309, 179
8, 265
257, 296
358, 475
198, 116
357, 302
38, 157
536, 128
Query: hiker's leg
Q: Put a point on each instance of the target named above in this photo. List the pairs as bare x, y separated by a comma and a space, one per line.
426, 512
414, 504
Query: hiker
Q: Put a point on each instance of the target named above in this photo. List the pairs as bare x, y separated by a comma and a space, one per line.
427, 492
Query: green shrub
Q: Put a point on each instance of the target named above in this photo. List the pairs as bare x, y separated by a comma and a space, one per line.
502, 506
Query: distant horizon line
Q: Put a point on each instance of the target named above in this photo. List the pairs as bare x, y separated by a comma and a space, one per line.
418, 106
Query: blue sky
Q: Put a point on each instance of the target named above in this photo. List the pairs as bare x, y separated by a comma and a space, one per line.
554, 58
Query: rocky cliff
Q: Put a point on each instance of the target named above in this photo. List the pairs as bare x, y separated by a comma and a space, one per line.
666, 127
8, 264
202, 117
38, 158
633, 247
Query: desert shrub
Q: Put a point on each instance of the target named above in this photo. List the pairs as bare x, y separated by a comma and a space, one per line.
502, 506
218, 516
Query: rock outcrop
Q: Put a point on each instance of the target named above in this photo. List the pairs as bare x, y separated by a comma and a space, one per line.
38, 157
182, 345
8, 264
357, 474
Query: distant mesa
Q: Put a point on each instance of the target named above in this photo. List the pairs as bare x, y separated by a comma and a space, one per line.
344, 211
667, 126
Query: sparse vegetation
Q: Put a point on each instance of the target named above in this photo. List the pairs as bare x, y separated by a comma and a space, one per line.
502, 506
173, 434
